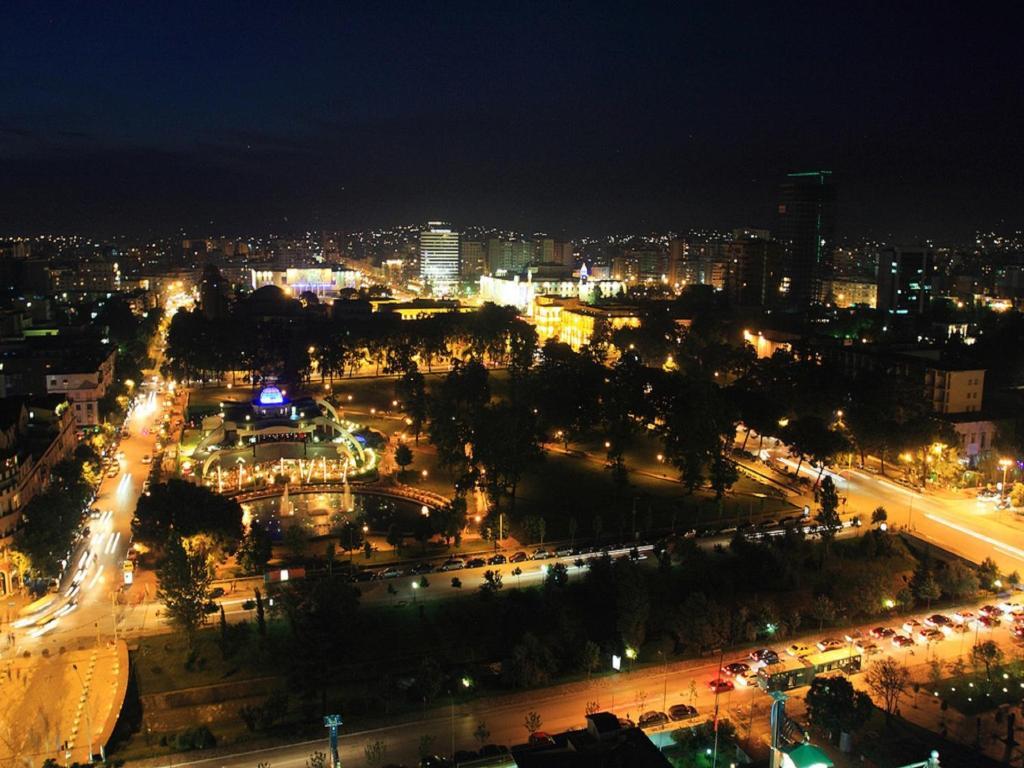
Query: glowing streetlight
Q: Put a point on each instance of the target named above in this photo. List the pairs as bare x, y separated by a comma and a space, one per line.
424, 473
1005, 464
607, 444
425, 510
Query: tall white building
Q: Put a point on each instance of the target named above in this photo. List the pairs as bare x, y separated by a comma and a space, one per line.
439, 255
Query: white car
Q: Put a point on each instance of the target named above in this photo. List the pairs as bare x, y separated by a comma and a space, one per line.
146, 459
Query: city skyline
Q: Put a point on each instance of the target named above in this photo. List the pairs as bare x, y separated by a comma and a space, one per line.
600, 120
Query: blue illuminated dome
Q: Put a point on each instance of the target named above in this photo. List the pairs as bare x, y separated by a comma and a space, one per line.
270, 396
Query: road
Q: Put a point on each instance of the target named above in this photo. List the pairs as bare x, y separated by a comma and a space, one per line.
90, 602
958, 522
452, 724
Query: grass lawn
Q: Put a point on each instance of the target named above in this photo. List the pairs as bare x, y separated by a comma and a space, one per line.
972, 694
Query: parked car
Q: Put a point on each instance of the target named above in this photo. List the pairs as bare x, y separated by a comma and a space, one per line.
454, 564
964, 617
391, 573
800, 650
540, 739
931, 635
830, 644
901, 641
497, 560
563, 552
519, 557
476, 562
938, 621
911, 626
867, 647
541, 554
991, 610
653, 719
682, 712
421, 568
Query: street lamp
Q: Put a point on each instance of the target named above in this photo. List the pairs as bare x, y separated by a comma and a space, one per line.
1005, 464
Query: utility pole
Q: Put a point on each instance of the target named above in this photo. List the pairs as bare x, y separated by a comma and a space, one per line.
718, 680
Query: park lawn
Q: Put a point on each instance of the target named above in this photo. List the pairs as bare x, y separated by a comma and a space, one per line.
972, 694
160, 660
562, 487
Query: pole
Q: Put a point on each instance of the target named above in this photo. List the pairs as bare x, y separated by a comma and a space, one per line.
718, 679
452, 753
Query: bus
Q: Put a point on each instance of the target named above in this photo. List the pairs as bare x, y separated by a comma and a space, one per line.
795, 673
29, 612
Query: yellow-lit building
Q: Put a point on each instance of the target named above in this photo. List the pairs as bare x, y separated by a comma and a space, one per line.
578, 323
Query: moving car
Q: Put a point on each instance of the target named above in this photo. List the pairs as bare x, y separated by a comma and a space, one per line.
736, 668
720, 685
881, 633
799, 650
830, 644
764, 656
931, 635
146, 458
901, 641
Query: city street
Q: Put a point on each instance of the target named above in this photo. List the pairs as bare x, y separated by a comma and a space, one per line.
627, 694
970, 527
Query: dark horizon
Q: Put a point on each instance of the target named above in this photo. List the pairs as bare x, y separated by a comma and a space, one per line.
237, 119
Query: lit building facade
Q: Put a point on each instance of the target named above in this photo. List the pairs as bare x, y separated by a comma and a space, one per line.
520, 291
439, 256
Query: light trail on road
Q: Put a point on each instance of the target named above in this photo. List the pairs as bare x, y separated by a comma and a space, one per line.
1004, 548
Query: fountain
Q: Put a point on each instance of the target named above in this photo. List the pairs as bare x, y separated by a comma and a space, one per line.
287, 508
346, 491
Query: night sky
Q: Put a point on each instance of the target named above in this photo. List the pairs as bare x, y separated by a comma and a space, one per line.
565, 117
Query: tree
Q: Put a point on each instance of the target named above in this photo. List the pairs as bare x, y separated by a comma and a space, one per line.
224, 650
184, 587
481, 733
403, 456
395, 537
186, 509
823, 609
506, 445
261, 618
350, 537
375, 752
879, 516
958, 580
255, 550
988, 574
557, 576
532, 722
833, 705
590, 657
531, 664
927, 589
296, 540
888, 679
828, 520
492, 583
987, 654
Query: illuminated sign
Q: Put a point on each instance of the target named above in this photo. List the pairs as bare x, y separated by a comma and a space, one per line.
271, 396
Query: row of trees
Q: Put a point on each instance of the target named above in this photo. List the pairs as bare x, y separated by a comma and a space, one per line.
53, 518
287, 345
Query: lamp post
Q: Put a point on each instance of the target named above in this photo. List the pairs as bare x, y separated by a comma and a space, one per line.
1005, 464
